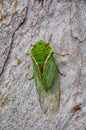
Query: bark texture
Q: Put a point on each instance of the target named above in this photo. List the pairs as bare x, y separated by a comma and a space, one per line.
22, 23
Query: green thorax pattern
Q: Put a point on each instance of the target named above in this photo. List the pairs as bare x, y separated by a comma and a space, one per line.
40, 51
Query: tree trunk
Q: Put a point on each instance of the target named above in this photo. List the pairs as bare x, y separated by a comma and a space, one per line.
22, 24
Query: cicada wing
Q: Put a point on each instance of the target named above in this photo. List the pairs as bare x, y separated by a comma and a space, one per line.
49, 100
51, 79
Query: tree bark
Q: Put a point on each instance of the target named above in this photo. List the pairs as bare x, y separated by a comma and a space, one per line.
22, 24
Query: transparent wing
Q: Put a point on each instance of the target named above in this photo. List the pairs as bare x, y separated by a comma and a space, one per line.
49, 100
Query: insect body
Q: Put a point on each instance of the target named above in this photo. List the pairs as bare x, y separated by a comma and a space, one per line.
46, 76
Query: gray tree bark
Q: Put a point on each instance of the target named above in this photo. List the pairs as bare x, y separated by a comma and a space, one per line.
22, 24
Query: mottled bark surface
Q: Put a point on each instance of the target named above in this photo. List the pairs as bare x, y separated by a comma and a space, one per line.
22, 23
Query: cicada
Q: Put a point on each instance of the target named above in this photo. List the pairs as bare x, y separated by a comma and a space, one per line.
46, 75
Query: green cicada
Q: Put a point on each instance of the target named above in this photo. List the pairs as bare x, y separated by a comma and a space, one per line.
46, 74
